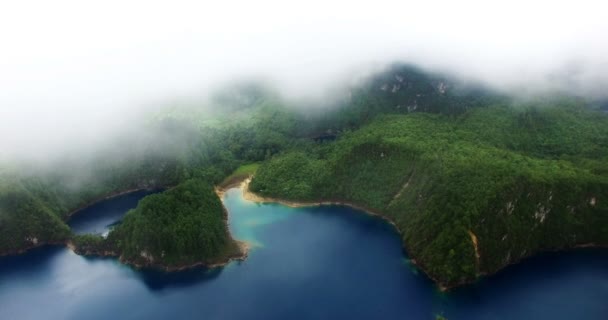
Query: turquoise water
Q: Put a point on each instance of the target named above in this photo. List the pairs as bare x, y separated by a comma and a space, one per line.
305, 263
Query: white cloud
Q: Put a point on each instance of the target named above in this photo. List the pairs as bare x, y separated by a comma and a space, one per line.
76, 68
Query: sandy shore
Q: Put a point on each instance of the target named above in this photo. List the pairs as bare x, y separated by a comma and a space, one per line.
243, 246
251, 196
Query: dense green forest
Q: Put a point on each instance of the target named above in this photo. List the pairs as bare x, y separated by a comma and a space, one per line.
36, 203
474, 180
183, 226
520, 180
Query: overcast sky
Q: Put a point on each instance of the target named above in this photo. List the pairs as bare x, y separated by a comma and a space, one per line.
74, 68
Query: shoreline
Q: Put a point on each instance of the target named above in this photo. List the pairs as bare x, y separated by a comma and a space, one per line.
253, 197
66, 218
441, 286
242, 246
108, 196
243, 184
241, 256
33, 247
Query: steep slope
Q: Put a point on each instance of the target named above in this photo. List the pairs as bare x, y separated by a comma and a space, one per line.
35, 202
28, 216
467, 200
474, 180
178, 228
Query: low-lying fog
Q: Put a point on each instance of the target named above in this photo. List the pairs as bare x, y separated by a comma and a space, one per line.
74, 72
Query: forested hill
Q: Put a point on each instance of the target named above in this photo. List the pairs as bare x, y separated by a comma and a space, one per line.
475, 180
179, 228
470, 194
403, 89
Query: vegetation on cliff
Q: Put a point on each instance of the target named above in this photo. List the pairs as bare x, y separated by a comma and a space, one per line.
35, 204
28, 215
474, 180
498, 182
179, 227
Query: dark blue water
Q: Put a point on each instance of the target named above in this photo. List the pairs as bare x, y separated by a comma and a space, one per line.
99, 217
307, 263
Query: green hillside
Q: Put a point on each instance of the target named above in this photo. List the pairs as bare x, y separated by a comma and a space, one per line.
180, 227
474, 180
520, 180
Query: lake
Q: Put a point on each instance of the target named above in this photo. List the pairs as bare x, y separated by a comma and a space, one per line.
305, 263
99, 218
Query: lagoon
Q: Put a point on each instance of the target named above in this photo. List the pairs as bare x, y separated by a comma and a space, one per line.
305, 263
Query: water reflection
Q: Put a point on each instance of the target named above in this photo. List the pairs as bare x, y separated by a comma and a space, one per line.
307, 263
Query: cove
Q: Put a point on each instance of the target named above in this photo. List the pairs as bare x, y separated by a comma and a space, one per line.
99, 217
305, 263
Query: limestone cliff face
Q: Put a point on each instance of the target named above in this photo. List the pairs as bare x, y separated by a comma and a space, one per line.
534, 216
520, 219
467, 202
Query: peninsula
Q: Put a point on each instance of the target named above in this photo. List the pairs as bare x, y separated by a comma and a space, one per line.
473, 179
